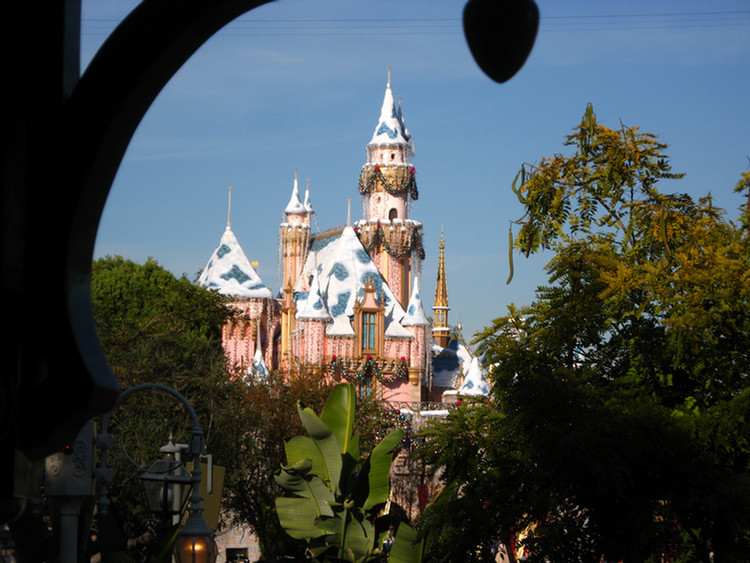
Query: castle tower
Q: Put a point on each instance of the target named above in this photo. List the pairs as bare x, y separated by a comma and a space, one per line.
230, 273
386, 183
440, 328
294, 234
294, 238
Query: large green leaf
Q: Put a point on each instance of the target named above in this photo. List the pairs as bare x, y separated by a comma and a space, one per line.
299, 448
406, 548
379, 469
324, 441
353, 534
309, 487
298, 514
297, 517
338, 414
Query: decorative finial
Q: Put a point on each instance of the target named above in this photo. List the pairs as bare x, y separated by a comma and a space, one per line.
389, 76
348, 212
229, 209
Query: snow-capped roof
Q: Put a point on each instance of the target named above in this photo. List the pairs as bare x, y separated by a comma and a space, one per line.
475, 383
230, 272
415, 311
390, 129
307, 204
295, 205
450, 364
313, 307
341, 267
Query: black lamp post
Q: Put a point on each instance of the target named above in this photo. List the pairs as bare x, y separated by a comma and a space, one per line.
195, 543
165, 484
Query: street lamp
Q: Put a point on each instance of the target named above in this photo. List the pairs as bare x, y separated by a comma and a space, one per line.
195, 543
165, 483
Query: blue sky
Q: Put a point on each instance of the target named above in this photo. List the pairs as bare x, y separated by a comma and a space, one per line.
299, 84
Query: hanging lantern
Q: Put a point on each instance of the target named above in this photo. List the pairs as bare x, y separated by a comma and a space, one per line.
166, 483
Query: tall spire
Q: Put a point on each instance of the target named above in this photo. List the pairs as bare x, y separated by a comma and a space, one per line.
440, 329
295, 205
229, 210
390, 130
308, 203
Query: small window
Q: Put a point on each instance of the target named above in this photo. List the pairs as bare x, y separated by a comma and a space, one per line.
364, 389
393, 156
393, 214
368, 331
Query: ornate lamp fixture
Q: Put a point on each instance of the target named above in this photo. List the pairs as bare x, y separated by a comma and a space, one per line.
195, 543
166, 482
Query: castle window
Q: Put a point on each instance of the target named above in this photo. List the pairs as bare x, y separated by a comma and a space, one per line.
393, 214
393, 156
368, 331
364, 389
369, 323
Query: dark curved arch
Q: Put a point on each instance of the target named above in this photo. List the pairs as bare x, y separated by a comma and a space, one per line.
69, 381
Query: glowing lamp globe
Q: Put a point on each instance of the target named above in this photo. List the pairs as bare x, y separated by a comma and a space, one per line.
195, 549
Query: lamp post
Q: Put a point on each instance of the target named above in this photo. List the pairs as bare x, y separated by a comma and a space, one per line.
165, 483
195, 543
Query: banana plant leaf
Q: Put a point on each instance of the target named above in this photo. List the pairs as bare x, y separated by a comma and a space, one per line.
299, 448
378, 469
406, 548
338, 414
298, 515
353, 535
322, 440
336, 507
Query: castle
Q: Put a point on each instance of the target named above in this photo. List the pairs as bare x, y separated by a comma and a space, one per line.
350, 304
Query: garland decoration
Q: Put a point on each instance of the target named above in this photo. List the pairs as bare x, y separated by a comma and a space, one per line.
367, 182
369, 369
401, 372
391, 419
379, 237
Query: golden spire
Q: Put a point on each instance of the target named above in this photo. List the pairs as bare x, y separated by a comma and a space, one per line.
440, 329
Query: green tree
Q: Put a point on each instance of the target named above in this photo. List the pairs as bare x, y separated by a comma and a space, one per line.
620, 394
156, 328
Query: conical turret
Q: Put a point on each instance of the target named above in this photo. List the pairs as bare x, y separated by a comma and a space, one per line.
391, 141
